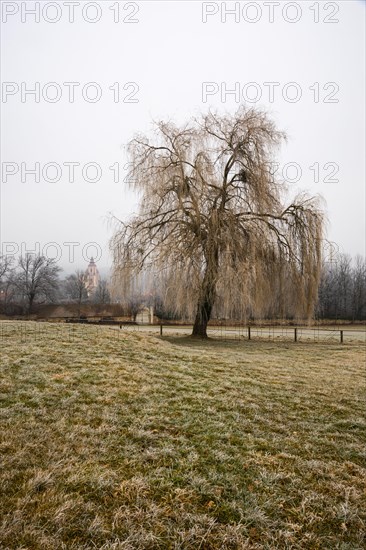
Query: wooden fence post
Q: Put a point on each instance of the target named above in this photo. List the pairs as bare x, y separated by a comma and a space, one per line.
248, 333
161, 329
341, 336
295, 335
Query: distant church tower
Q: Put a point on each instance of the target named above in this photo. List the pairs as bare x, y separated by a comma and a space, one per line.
92, 277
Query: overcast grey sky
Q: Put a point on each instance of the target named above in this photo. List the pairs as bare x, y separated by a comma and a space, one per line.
170, 60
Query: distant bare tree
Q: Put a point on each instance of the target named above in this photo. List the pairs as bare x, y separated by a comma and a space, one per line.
6, 281
359, 288
212, 218
102, 294
134, 305
76, 288
344, 284
342, 291
36, 279
5, 267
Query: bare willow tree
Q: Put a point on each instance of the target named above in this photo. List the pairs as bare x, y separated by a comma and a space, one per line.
212, 221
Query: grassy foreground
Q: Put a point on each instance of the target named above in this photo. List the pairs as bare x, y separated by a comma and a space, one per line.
112, 440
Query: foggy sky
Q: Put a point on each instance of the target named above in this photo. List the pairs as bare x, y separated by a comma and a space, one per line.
166, 56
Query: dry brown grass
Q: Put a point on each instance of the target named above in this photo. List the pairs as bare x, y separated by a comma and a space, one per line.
121, 441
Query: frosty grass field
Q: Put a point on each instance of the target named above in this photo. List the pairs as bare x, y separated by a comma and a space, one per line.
114, 439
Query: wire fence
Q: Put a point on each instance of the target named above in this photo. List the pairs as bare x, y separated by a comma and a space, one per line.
25, 331
276, 333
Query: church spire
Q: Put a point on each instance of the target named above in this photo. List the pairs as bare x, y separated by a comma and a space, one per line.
92, 277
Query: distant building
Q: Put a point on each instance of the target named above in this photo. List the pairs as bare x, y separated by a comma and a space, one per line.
92, 277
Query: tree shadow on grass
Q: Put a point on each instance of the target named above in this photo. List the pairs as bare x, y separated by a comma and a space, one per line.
199, 343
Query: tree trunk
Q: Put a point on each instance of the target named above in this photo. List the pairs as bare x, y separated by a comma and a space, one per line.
205, 303
30, 303
202, 318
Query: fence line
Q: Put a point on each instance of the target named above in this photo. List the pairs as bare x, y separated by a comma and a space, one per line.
27, 330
